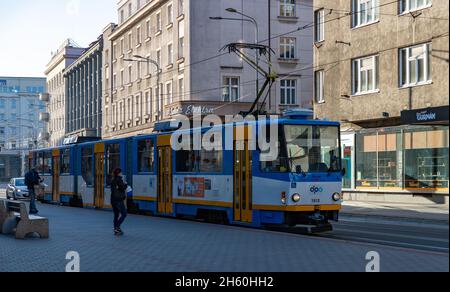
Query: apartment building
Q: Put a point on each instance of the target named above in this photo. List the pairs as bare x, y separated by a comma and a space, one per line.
381, 67
163, 59
55, 97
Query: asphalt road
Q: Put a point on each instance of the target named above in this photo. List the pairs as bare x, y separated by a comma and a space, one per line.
389, 232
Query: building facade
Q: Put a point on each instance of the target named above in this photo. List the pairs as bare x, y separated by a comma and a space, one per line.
20, 128
381, 68
179, 38
57, 106
83, 80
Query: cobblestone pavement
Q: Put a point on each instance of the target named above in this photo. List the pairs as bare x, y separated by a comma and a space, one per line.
161, 244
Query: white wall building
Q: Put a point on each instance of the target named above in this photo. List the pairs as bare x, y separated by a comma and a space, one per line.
57, 105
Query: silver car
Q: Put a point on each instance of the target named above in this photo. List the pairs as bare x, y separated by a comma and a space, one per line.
17, 190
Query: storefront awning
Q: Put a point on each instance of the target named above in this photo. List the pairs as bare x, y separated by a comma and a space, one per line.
428, 116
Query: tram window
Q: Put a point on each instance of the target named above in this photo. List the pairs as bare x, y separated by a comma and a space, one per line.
113, 160
211, 161
40, 162
188, 161
65, 161
278, 165
47, 163
146, 156
87, 166
199, 161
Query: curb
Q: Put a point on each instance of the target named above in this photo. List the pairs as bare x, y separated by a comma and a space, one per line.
401, 218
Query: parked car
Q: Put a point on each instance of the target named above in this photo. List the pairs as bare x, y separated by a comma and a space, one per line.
17, 189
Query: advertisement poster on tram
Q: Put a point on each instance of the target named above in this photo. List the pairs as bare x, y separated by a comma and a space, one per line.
194, 187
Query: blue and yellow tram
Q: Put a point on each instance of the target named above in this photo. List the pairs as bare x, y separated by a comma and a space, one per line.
301, 186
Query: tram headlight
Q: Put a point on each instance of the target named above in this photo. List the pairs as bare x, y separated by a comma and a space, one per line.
337, 197
296, 198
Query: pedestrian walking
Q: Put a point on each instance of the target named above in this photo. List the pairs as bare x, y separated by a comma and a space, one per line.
32, 179
118, 197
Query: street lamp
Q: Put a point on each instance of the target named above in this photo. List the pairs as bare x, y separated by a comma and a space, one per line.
149, 61
248, 19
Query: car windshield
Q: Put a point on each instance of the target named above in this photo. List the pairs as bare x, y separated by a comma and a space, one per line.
20, 183
312, 149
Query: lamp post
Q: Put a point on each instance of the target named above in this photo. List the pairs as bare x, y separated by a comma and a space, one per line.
248, 19
158, 68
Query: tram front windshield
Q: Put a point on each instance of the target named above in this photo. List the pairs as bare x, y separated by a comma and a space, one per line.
312, 149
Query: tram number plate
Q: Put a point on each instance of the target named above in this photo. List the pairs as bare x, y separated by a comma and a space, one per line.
315, 201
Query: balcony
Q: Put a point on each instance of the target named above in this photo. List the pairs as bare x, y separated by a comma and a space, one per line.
45, 97
44, 117
44, 136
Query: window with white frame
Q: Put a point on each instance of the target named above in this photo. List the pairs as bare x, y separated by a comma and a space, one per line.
318, 86
319, 25
415, 65
170, 54
287, 8
148, 103
287, 48
231, 90
139, 69
180, 7
169, 92
406, 6
158, 58
365, 75
158, 22
181, 87
138, 36
130, 74
130, 41
365, 12
288, 92
180, 39
148, 28
169, 14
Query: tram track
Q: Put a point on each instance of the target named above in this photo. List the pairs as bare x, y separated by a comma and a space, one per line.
418, 236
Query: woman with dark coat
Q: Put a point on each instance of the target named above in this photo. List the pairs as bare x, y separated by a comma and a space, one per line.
118, 197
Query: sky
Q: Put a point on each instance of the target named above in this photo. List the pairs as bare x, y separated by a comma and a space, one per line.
31, 29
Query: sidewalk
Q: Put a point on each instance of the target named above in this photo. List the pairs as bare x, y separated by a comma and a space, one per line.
415, 212
153, 244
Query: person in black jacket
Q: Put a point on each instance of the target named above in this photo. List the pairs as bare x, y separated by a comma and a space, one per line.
118, 197
32, 179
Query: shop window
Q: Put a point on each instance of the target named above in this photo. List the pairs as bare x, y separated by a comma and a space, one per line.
426, 158
366, 160
387, 161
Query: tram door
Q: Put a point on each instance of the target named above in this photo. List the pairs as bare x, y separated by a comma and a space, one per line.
56, 171
243, 202
99, 183
165, 179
